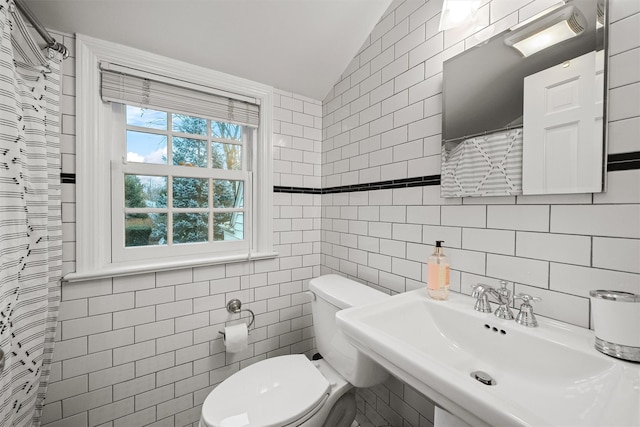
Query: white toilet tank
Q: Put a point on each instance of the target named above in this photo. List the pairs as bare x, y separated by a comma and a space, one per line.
332, 294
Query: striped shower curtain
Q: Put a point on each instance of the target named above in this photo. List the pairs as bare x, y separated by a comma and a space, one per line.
30, 225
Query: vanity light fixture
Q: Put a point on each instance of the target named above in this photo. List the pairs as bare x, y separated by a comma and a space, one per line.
457, 12
559, 25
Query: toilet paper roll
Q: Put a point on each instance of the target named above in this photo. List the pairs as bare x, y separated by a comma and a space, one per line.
236, 338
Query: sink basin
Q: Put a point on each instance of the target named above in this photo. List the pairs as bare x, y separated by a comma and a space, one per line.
549, 375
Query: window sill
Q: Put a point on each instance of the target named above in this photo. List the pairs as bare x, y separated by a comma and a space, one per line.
125, 269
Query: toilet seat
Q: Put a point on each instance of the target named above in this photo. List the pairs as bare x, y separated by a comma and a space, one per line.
254, 396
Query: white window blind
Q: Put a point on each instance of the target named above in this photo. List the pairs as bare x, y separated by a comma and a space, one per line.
144, 91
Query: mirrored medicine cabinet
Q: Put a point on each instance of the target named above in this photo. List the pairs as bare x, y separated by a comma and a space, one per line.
523, 112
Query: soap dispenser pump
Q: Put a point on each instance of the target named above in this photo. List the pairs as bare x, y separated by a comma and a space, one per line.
438, 273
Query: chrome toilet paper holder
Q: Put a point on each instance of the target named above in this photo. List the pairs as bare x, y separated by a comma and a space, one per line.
234, 306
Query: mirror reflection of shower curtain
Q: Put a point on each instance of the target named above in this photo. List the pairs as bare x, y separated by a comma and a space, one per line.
488, 165
30, 218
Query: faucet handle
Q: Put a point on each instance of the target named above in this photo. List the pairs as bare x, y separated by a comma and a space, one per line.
525, 316
478, 289
526, 298
482, 299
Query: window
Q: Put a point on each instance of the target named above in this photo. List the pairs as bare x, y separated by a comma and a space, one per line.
182, 185
176, 171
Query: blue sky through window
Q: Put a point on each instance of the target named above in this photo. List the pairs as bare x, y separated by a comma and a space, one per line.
146, 118
146, 147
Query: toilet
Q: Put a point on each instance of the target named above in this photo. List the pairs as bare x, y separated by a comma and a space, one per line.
287, 391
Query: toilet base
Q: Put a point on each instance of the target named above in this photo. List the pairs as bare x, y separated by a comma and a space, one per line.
343, 412
339, 386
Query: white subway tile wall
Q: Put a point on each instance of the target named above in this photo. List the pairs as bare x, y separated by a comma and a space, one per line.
382, 121
145, 350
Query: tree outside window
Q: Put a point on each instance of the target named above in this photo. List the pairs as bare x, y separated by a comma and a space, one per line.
188, 147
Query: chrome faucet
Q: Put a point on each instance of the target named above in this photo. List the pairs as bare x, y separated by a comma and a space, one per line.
503, 297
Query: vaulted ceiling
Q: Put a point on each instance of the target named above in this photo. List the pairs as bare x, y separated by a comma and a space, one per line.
299, 46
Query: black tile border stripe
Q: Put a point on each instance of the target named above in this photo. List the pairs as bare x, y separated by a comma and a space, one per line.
419, 181
623, 157
623, 166
68, 178
623, 161
615, 162
296, 190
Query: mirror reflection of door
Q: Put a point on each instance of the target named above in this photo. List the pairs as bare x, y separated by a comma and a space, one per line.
562, 146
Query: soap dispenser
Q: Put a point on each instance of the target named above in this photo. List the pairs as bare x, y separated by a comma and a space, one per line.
438, 273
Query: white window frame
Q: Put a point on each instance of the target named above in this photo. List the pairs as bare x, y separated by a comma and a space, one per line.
95, 161
119, 169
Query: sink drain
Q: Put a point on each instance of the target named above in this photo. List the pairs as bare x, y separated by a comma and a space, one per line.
483, 377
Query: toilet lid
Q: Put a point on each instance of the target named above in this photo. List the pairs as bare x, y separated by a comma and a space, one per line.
270, 393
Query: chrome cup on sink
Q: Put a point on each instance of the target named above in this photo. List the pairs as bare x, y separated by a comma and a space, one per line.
616, 316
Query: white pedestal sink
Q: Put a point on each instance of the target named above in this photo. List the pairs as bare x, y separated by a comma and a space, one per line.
545, 376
